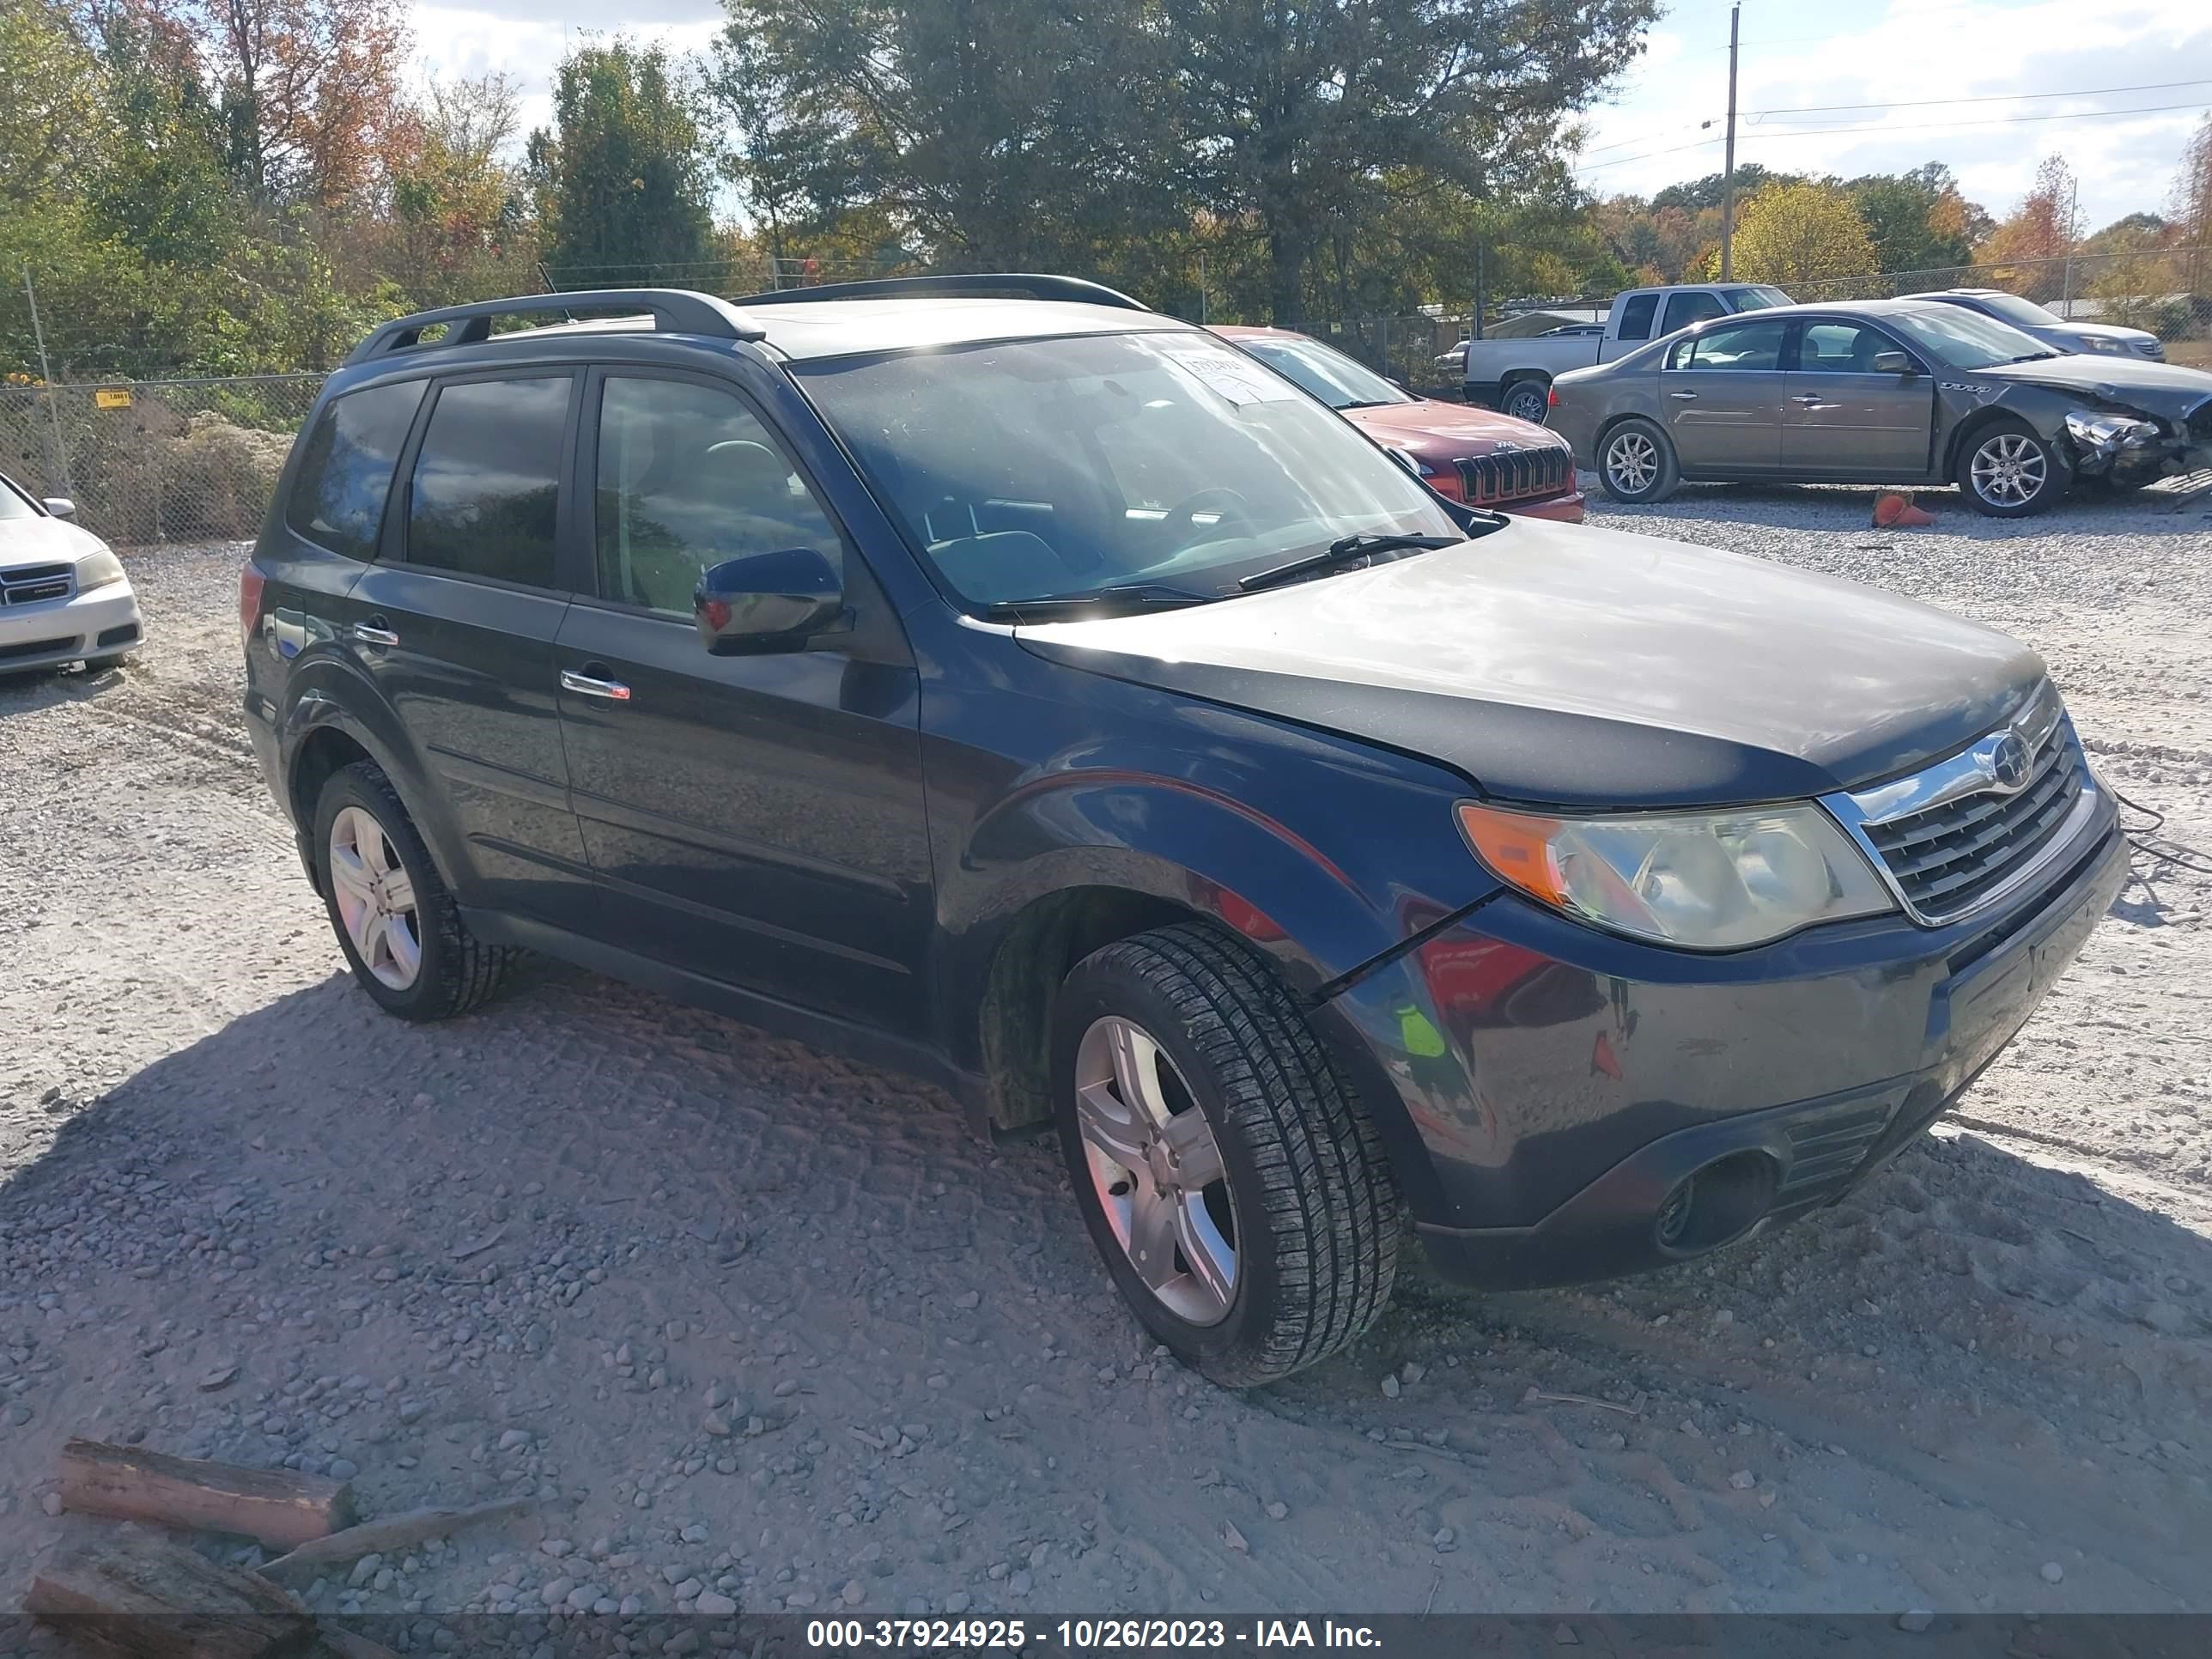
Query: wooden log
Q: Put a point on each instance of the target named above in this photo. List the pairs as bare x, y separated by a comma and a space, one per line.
280, 1508
382, 1537
149, 1597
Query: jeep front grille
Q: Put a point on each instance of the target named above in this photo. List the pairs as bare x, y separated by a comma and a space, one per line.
1515, 475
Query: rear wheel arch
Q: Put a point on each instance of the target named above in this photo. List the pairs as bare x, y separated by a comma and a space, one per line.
329, 738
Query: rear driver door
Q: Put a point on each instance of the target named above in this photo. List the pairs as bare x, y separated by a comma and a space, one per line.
1723, 394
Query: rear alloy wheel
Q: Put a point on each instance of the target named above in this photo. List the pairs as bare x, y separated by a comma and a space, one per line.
1636, 463
2008, 471
1240, 1200
402, 933
1527, 400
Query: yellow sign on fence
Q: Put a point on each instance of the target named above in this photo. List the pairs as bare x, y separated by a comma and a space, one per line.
110, 397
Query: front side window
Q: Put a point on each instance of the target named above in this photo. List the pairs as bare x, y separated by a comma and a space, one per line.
1039, 468
688, 477
487, 482
345, 469
1683, 309
1635, 316
1840, 348
1338, 381
1739, 346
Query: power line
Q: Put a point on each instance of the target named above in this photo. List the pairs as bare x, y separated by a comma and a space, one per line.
1990, 98
1998, 121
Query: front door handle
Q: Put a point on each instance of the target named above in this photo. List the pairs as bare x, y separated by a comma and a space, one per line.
1683, 396
1808, 399
373, 632
594, 685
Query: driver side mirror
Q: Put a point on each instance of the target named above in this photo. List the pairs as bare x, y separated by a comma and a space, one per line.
767, 602
1894, 362
59, 507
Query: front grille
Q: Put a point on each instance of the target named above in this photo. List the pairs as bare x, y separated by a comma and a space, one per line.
2155, 350
1945, 861
1515, 475
29, 584
37, 647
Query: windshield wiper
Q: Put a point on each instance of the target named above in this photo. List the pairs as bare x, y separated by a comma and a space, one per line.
1343, 551
1125, 596
2034, 356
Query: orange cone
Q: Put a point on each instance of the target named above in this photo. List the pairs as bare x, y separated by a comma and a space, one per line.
1893, 511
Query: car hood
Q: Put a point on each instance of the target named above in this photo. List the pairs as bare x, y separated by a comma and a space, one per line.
2126, 337
1433, 431
1565, 666
2166, 389
34, 541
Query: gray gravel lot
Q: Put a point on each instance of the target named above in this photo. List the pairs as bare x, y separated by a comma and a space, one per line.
758, 1328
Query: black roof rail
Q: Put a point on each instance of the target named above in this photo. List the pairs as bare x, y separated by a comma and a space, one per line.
673, 311
1029, 285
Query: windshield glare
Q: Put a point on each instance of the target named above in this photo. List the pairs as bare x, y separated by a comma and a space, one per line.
2021, 313
1040, 468
1759, 299
1967, 339
1338, 381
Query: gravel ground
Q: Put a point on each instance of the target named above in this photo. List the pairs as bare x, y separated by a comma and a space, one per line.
760, 1329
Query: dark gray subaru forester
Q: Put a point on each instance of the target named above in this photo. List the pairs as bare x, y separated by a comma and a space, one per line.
993, 678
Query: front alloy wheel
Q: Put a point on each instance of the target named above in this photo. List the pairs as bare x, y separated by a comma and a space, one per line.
1236, 1192
1156, 1170
2011, 472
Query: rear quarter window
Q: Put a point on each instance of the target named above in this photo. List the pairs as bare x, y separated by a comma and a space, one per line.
345, 469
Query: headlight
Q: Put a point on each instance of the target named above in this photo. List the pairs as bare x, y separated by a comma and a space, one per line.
1704, 881
2103, 433
97, 570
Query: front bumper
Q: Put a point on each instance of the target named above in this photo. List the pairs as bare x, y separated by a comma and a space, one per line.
1562, 1085
101, 623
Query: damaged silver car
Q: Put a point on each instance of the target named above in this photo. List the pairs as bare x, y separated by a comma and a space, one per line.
1899, 391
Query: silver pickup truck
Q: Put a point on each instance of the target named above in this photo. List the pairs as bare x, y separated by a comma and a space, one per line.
1516, 376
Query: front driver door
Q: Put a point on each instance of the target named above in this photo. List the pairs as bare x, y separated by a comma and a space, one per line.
1847, 420
755, 819
1722, 395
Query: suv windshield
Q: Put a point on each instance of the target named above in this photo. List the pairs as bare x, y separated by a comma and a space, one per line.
1336, 379
1967, 339
1035, 468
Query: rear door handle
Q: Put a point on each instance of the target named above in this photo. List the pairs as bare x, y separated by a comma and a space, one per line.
1808, 399
373, 632
594, 685
1684, 397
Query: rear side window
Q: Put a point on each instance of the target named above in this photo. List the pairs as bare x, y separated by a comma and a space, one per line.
487, 482
345, 472
1635, 316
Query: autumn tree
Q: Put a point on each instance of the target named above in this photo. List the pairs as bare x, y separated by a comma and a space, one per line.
1807, 238
2030, 247
1919, 220
622, 177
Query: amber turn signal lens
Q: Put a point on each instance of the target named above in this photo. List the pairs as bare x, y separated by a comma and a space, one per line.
1517, 847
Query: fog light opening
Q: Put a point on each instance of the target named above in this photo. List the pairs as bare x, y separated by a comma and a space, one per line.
1711, 1207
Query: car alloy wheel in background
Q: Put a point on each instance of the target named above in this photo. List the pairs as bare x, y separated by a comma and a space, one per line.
1530, 401
374, 898
1156, 1169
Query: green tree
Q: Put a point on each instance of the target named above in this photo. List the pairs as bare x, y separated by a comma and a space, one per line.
622, 177
1919, 220
1807, 238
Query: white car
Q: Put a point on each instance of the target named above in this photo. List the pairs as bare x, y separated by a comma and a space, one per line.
64, 597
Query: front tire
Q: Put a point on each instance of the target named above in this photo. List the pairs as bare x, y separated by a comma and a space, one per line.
2009, 470
399, 927
1241, 1200
1636, 463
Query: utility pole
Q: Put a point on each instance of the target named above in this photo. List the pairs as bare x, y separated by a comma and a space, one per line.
2072, 221
46, 373
1728, 162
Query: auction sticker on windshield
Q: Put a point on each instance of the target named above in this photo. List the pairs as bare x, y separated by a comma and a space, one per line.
1228, 375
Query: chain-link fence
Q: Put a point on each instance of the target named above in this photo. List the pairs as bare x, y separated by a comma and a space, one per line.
156, 460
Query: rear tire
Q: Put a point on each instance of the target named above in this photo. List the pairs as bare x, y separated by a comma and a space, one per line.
1636, 463
1527, 400
403, 938
1283, 1169
2008, 470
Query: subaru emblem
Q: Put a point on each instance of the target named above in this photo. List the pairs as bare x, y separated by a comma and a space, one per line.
2008, 762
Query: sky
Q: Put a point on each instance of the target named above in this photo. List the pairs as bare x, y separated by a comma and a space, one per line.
1905, 55
1898, 56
